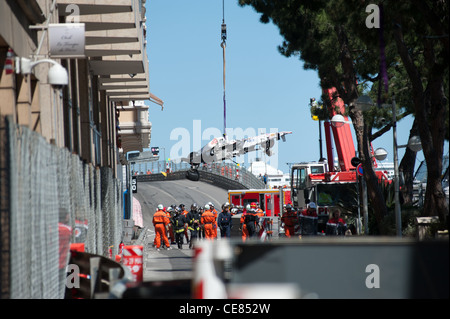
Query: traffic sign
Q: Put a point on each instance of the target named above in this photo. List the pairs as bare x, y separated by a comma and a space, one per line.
359, 169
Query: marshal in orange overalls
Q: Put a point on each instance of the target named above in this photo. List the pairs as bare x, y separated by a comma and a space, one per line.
208, 220
160, 221
243, 227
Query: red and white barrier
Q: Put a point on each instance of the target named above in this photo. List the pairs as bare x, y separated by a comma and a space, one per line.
205, 283
133, 259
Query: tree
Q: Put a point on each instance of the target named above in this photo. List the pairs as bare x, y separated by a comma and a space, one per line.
421, 37
331, 37
313, 31
417, 33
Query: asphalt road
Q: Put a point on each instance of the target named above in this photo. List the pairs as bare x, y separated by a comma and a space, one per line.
172, 264
177, 192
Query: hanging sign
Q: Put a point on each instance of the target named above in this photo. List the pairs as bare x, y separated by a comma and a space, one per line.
66, 40
134, 184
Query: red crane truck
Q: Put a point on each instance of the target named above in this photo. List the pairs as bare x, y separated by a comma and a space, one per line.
323, 183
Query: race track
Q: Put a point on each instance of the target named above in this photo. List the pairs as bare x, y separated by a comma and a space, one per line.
171, 264
177, 192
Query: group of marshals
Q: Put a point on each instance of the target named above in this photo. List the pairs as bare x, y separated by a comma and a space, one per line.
306, 222
201, 222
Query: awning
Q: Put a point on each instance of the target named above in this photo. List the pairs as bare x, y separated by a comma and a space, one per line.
156, 100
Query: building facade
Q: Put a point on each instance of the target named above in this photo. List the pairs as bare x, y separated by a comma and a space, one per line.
98, 115
67, 121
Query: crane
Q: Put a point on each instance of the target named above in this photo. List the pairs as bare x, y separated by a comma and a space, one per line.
223, 35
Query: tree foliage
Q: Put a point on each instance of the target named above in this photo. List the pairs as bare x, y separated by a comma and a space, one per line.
407, 57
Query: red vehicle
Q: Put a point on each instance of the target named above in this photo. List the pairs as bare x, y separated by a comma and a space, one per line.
321, 182
268, 199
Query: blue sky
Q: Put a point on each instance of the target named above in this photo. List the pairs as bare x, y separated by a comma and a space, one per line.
264, 89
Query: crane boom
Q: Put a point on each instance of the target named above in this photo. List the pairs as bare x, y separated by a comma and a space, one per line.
343, 139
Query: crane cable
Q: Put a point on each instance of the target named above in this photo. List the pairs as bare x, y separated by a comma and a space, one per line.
223, 45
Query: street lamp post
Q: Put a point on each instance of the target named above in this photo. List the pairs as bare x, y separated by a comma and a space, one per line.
398, 212
415, 145
314, 106
364, 102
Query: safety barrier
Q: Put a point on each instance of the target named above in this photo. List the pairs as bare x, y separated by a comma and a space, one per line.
47, 194
206, 282
230, 175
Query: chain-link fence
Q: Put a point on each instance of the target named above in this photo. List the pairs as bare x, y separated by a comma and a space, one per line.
51, 199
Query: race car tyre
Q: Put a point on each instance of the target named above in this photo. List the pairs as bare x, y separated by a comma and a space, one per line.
193, 175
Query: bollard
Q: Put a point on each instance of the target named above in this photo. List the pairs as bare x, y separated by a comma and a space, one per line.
120, 255
133, 259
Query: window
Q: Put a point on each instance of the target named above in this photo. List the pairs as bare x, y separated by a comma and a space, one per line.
337, 195
301, 178
317, 169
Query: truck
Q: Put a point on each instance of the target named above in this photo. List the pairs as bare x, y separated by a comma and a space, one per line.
311, 182
271, 202
322, 182
268, 199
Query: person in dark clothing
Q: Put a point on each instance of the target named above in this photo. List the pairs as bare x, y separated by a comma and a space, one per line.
251, 220
290, 220
308, 220
201, 231
179, 223
336, 225
193, 220
224, 221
